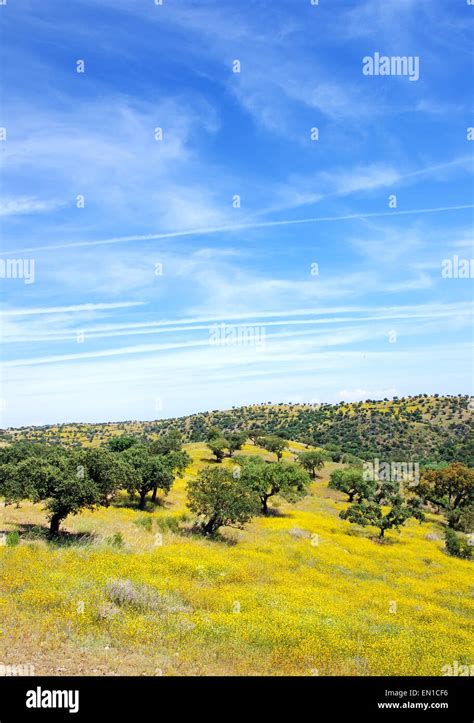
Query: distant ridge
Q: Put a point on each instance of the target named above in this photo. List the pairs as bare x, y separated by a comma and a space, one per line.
422, 428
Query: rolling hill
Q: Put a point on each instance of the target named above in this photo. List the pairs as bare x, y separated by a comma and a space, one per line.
422, 428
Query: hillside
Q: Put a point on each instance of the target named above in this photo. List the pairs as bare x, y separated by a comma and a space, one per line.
300, 592
423, 428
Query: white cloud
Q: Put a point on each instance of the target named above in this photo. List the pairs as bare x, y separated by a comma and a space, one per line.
357, 395
24, 205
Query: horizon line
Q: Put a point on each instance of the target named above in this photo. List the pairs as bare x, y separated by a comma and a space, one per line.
395, 398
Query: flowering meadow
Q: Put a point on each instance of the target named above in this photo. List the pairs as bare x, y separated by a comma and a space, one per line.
299, 592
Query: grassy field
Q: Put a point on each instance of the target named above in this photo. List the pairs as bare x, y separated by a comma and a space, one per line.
300, 592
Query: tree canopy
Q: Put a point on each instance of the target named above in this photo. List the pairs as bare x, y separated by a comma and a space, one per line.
312, 460
268, 479
450, 487
220, 498
351, 481
274, 444
384, 507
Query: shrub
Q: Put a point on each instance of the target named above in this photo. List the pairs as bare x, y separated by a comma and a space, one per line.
465, 520
125, 594
13, 539
170, 523
142, 598
146, 522
456, 545
116, 540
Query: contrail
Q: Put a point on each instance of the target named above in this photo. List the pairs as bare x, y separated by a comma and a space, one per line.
63, 309
231, 228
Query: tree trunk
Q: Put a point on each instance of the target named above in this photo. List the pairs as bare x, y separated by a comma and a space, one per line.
453, 521
351, 496
54, 525
211, 526
264, 500
153, 497
458, 500
141, 504
382, 532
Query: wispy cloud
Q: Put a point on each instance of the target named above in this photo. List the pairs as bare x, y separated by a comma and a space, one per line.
240, 227
236, 214
69, 309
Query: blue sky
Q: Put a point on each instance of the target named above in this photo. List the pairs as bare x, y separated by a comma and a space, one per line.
101, 335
